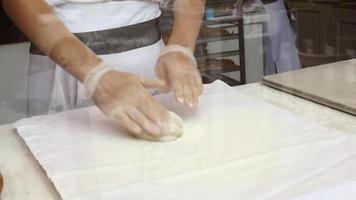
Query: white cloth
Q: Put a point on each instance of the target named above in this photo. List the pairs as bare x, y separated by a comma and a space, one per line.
51, 89
231, 149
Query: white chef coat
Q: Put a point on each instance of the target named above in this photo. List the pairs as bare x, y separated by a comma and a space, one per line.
51, 89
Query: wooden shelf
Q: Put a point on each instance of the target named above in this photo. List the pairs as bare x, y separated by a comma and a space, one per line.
221, 20
219, 70
201, 58
207, 78
216, 39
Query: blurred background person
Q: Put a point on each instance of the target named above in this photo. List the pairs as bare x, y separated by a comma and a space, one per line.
281, 53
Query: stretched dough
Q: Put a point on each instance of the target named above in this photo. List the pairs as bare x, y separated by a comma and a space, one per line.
174, 130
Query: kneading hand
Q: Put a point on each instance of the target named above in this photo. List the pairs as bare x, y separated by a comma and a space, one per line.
123, 97
180, 73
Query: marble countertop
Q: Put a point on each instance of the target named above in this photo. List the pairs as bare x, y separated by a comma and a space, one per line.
331, 84
25, 179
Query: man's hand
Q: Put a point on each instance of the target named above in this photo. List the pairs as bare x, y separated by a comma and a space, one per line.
176, 68
124, 97
182, 76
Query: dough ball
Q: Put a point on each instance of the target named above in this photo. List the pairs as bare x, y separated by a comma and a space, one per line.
172, 131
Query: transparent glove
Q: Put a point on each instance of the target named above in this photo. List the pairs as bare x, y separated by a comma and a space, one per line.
124, 97
181, 75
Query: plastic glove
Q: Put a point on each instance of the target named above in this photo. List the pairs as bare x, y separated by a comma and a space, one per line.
124, 97
181, 75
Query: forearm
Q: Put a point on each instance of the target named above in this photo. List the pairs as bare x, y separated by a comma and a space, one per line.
188, 15
39, 23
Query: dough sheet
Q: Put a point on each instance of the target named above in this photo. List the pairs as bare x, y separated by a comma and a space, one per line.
234, 146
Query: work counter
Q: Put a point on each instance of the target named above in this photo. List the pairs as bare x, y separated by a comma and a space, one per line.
25, 179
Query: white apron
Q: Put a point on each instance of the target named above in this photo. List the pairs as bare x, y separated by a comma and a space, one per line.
281, 50
281, 53
51, 89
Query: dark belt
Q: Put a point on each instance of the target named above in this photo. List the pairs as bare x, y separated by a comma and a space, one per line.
268, 1
118, 40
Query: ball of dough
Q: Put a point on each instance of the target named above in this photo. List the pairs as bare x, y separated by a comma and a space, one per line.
173, 131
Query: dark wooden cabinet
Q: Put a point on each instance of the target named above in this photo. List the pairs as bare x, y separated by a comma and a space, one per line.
326, 30
346, 31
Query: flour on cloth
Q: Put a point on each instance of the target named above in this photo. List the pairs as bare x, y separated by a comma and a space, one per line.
234, 147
